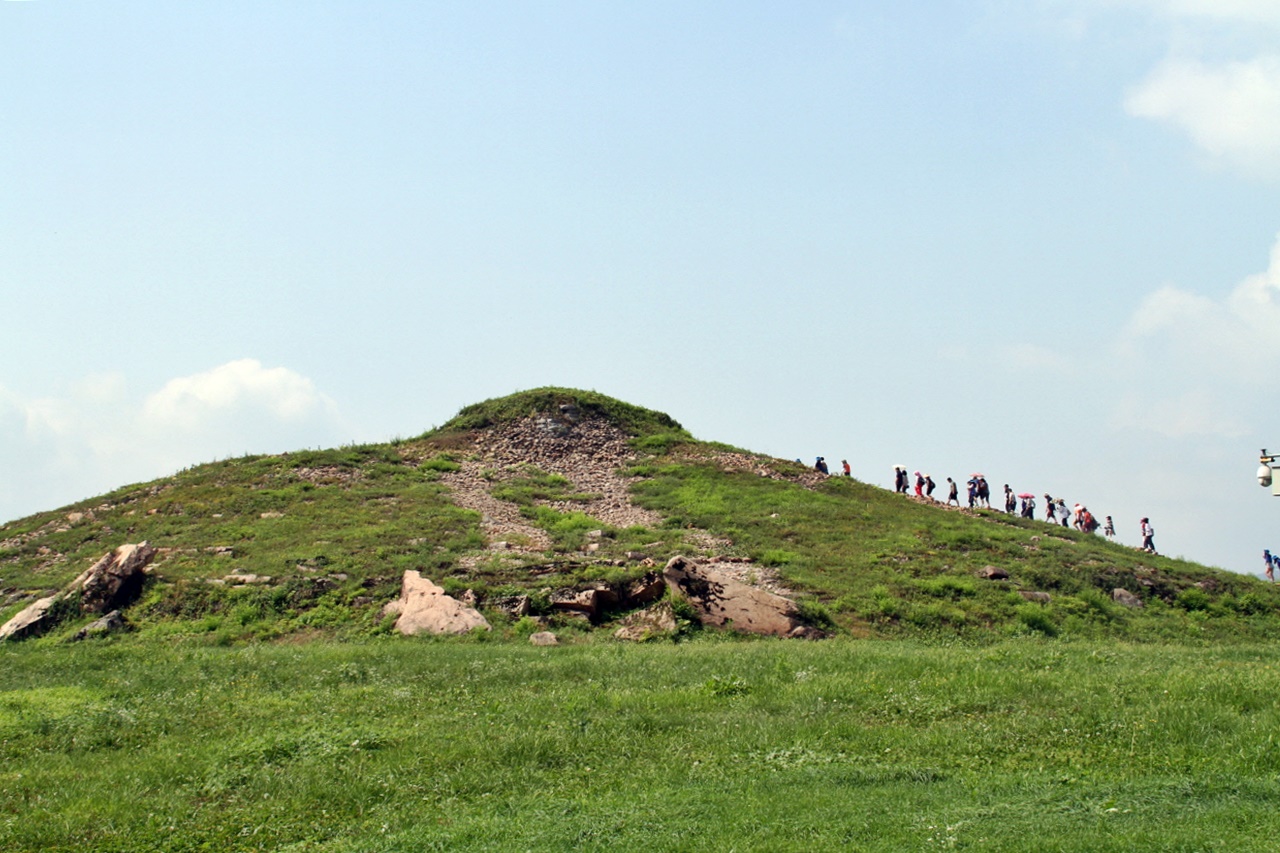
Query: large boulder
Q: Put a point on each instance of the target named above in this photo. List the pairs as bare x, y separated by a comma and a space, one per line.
32, 620
723, 602
115, 581
425, 609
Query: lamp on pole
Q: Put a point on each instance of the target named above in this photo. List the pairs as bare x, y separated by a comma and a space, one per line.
1267, 464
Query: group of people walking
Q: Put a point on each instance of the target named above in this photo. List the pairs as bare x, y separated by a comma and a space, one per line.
978, 492
1056, 510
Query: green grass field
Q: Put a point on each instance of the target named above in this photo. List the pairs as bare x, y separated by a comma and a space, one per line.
714, 744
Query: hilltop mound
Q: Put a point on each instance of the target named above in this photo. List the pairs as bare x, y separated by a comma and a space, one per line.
551, 507
563, 407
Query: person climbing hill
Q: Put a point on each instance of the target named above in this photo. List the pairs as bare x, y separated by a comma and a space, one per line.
1148, 536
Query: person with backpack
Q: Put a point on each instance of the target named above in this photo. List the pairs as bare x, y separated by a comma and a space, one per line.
1148, 536
1010, 501
820, 466
919, 485
1269, 562
929, 486
1049, 508
1109, 529
1062, 511
1087, 522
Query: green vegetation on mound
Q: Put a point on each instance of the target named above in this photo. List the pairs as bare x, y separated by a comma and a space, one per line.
390, 746
882, 563
328, 535
634, 420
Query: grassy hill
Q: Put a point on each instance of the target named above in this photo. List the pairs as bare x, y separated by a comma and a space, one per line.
979, 719
328, 534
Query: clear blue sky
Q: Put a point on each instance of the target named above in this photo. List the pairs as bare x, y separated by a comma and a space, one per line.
1037, 239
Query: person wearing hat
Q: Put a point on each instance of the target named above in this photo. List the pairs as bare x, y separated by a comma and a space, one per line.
1049, 508
820, 466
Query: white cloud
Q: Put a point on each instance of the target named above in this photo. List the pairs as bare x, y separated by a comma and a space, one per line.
1239, 334
240, 387
1201, 365
55, 450
1231, 110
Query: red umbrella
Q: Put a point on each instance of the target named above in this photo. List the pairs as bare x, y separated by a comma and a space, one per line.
1026, 495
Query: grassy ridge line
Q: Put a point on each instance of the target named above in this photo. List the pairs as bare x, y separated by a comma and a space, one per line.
1022, 745
335, 530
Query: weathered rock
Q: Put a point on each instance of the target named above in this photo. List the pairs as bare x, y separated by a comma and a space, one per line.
544, 638
606, 596
993, 573
34, 619
644, 590
657, 621
724, 602
1038, 597
115, 581
514, 606
108, 624
245, 579
469, 598
1126, 598
425, 609
583, 601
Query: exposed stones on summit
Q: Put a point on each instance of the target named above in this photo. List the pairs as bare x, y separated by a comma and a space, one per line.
585, 451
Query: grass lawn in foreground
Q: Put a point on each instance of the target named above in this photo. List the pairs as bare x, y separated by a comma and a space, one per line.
392, 745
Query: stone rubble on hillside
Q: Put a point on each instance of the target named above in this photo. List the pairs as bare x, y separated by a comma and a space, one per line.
586, 452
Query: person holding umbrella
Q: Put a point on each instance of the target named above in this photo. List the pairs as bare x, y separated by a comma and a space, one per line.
1028, 504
